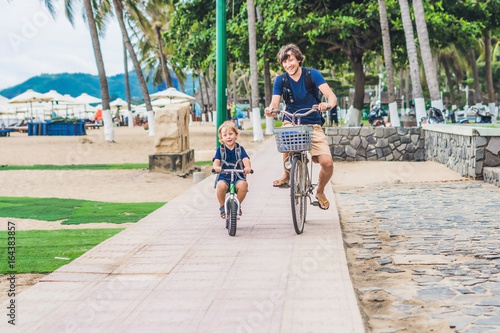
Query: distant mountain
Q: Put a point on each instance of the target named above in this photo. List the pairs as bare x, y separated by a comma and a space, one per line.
75, 84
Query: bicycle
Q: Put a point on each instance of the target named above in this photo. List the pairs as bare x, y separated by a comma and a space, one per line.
231, 204
297, 141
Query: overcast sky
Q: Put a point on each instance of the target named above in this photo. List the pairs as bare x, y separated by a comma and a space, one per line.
33, 43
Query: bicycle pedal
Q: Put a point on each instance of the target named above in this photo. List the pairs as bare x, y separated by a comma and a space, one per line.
315, 203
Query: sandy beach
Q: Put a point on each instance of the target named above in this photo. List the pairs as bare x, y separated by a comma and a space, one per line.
132, 145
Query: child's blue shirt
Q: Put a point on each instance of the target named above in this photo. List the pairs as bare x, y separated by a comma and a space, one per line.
230, 158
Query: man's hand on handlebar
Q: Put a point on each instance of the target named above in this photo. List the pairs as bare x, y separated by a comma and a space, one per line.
269, 112
322, 107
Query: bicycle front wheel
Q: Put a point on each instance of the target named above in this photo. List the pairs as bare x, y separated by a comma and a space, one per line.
298, 193
232, 215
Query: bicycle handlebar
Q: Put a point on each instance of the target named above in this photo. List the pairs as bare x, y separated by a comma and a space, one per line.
231, 170
296, 114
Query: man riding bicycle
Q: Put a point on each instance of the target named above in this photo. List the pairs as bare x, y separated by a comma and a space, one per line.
299, 93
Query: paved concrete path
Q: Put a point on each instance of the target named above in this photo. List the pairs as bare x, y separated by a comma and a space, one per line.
178, 270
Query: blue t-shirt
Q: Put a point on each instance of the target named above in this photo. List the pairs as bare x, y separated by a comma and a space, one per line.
301, 97
230, 158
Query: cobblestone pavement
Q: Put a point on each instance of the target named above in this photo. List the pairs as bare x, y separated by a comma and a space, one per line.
424, 256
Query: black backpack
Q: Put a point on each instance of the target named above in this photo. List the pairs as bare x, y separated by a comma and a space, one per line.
239, 162
286, 91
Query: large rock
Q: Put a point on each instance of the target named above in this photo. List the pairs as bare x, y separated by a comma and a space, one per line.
172, 153
172, 128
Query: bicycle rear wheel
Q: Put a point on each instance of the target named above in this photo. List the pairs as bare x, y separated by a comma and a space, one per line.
232, 216
298, 195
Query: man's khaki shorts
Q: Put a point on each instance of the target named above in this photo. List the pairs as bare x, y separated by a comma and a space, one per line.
319, 142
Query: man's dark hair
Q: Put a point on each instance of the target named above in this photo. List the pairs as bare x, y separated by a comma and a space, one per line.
289, 49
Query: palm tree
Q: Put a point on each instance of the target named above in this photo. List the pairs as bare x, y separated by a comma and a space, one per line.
411, 49
267, 81
118, 4
127, 87
254, 75
454, 64
425, 51
103, 81
159, 13
489, 75
94, 35
476, 98
386, 41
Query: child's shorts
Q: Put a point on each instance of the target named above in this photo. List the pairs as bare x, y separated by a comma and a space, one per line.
229, 181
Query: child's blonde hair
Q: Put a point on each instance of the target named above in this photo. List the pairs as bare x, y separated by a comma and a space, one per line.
230, 126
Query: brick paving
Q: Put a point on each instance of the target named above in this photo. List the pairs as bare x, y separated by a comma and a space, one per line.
444, 234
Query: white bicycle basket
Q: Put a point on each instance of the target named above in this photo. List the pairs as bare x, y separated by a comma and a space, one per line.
293, 138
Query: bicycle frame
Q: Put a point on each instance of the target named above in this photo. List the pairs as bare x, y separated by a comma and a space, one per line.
301, 187
305, 157
232, 190
232, 205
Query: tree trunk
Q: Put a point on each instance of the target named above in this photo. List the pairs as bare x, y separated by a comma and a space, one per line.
489, 75
127, 88
407, 88
213, 88
233, 85
449, 81
142, 82
425, 50
356, 59
103, 81
200, 81
268, 88
487, 66
386, 40
418, 95
254, 75
400, 87
477, 97
167, 80
207, 92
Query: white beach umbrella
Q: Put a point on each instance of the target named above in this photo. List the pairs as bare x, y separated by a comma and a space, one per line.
172, 94
60, 101
87, 99
29, 96
117, 103
54, 96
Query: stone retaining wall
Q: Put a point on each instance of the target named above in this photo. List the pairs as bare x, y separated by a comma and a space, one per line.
492, 175
471, 151
464, 149
376, 143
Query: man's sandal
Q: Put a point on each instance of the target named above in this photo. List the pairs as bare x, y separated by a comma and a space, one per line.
222, 212
281, 183
323, 204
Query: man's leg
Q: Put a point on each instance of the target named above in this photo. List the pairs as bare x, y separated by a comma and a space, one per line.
325, 174
286, 174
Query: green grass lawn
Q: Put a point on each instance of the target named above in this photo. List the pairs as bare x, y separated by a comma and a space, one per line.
74, 211
43, 251
124, 166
